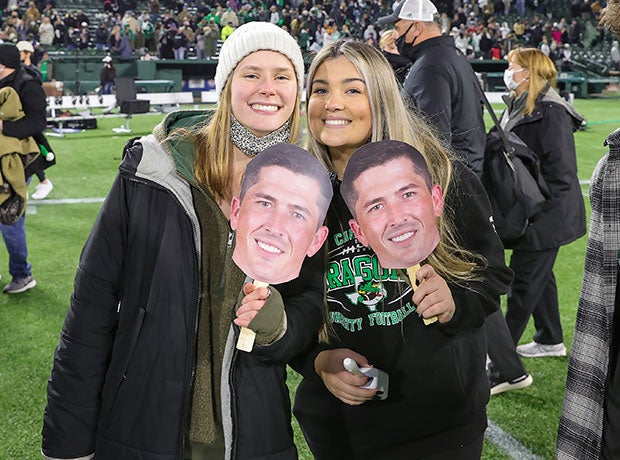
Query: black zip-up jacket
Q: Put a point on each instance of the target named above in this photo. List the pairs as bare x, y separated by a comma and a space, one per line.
441, 84
122, 378
28, 84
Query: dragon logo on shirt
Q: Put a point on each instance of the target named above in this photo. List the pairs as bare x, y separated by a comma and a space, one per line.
368, 293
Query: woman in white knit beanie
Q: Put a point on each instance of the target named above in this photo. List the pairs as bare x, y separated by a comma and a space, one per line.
147, 365
242, 128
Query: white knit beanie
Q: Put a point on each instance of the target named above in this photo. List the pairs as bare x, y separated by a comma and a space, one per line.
255, 36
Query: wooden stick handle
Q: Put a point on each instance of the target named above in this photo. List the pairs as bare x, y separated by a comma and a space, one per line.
245, 342
412, 272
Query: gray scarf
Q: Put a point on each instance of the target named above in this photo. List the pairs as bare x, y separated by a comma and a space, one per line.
252, 145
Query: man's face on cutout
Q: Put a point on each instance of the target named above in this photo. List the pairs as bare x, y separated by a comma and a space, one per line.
396, 213
277, 225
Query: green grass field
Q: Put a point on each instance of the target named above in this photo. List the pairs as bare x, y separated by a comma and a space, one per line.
87, 163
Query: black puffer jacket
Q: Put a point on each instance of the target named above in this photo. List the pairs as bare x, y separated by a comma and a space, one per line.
122, 379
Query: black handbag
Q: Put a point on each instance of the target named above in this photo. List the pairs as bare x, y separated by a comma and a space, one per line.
513, 180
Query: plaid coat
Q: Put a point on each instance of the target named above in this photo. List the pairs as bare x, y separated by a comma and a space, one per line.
581, 425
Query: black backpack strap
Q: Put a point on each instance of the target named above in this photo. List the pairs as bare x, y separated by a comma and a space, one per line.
498, 127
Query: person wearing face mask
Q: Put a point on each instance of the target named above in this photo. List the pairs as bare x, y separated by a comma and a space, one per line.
509, 79
441, 82
545, 122
398, 63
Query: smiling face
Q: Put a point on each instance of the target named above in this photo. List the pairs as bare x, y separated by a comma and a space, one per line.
276, 225
263, 91
339, 114
396, 213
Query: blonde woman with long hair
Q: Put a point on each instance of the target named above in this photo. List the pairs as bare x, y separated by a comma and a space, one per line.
353, 98
545, 122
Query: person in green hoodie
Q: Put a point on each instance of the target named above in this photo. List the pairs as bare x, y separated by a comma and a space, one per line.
147, 365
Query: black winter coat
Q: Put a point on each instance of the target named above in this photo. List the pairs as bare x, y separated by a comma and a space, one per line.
442, 84
32, 96
123, 372
548, 132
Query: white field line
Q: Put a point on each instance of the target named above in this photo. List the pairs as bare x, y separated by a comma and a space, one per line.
31, 207
32, 202
585, 193
508, 444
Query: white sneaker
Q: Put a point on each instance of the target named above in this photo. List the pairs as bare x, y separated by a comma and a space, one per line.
42, 190
539, 350
498, 386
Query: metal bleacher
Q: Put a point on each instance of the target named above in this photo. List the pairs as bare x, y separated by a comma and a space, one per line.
65, 111
167, 101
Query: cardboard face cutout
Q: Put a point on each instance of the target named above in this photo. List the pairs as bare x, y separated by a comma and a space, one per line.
395, 205
277, 224
396, 213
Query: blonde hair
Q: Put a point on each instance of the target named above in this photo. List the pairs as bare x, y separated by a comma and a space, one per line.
392, 120
542, 72
214, 148
387, 39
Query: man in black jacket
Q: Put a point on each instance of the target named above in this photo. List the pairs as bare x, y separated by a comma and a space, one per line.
32, 97
441, 81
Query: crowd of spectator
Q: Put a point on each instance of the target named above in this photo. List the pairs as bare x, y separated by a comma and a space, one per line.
170, 29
